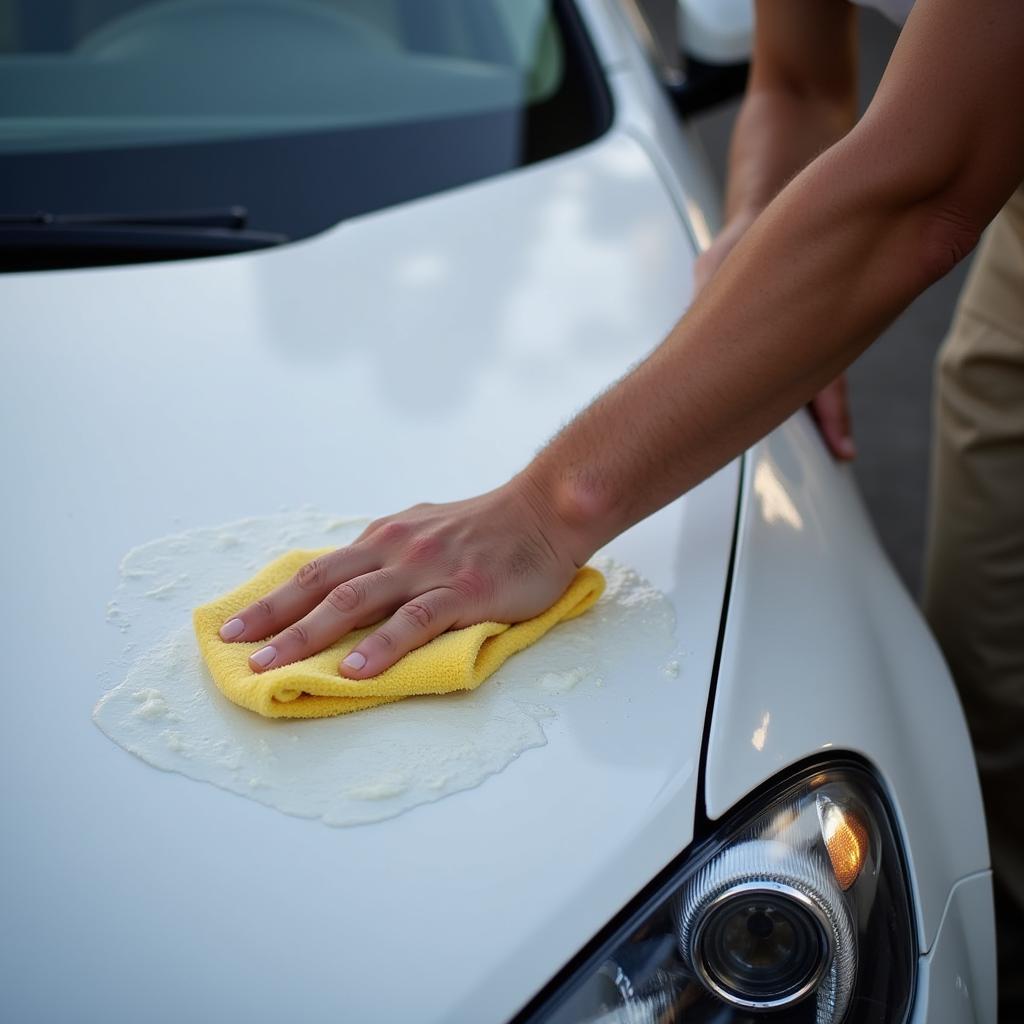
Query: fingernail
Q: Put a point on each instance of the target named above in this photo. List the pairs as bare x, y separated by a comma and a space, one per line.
231, 629
264, 656
355, 660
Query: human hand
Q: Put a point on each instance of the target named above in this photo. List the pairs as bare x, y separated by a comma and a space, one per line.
503, 556
830, 406
831, 411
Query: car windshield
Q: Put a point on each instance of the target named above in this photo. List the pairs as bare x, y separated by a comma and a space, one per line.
294, 114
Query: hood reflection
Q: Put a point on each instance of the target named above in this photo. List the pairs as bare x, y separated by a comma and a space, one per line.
776, 504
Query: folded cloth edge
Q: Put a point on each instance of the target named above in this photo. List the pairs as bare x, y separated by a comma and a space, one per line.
457, 660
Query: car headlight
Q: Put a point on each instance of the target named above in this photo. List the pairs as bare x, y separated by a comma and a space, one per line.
796, 910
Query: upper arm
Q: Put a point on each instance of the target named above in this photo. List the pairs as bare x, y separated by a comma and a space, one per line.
945, 130
807, 47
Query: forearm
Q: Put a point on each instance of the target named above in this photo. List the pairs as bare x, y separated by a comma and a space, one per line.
847, 245
817, 277
801, 98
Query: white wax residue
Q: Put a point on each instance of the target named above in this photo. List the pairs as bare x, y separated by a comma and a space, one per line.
360, 767
562, 682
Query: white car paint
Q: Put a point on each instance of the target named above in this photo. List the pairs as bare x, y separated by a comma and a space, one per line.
957, 978
140, 400
392, 359
824, 650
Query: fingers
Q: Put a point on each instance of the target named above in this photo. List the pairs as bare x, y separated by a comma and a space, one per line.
300, 595
348, 606
417, 622
831, 409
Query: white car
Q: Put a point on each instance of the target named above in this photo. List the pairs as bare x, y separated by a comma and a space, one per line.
465, 218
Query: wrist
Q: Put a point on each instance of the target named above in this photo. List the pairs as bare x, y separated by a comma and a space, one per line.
573, 516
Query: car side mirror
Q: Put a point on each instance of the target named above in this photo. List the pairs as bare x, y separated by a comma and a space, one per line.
701, 48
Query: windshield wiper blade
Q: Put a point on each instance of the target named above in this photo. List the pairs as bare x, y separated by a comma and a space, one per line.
43, 240
234, 217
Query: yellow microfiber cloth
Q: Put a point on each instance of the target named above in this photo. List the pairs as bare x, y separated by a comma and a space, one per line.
312, 688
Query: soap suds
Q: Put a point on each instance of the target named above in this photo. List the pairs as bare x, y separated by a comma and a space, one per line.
164, 589
561, 682
115, 616
381, 789
365, 766
151, 704
175, 741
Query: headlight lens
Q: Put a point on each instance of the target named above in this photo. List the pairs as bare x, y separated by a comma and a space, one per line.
798, 909
759, 945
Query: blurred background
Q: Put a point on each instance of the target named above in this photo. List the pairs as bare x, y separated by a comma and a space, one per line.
891, 383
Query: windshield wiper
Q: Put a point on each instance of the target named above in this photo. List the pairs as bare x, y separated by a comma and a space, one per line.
42, 240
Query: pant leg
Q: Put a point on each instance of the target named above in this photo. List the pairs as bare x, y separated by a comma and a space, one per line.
974, 573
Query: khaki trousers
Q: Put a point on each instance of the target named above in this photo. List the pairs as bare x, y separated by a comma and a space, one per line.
974, 572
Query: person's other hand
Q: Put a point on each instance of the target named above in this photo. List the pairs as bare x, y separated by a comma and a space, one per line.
830, 407
503, 556
831, 411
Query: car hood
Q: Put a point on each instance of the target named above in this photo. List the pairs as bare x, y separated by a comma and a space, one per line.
419, 353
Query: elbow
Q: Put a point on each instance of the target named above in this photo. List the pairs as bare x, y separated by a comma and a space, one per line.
931, 209
947, 236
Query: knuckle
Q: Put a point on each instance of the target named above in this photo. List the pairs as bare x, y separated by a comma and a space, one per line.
384, 639
264, 607
471, 584
391, 533
297, 634
418, 614
423, 549
344, 598
310, 575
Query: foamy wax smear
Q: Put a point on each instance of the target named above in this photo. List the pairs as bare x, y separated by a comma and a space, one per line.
360, 767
